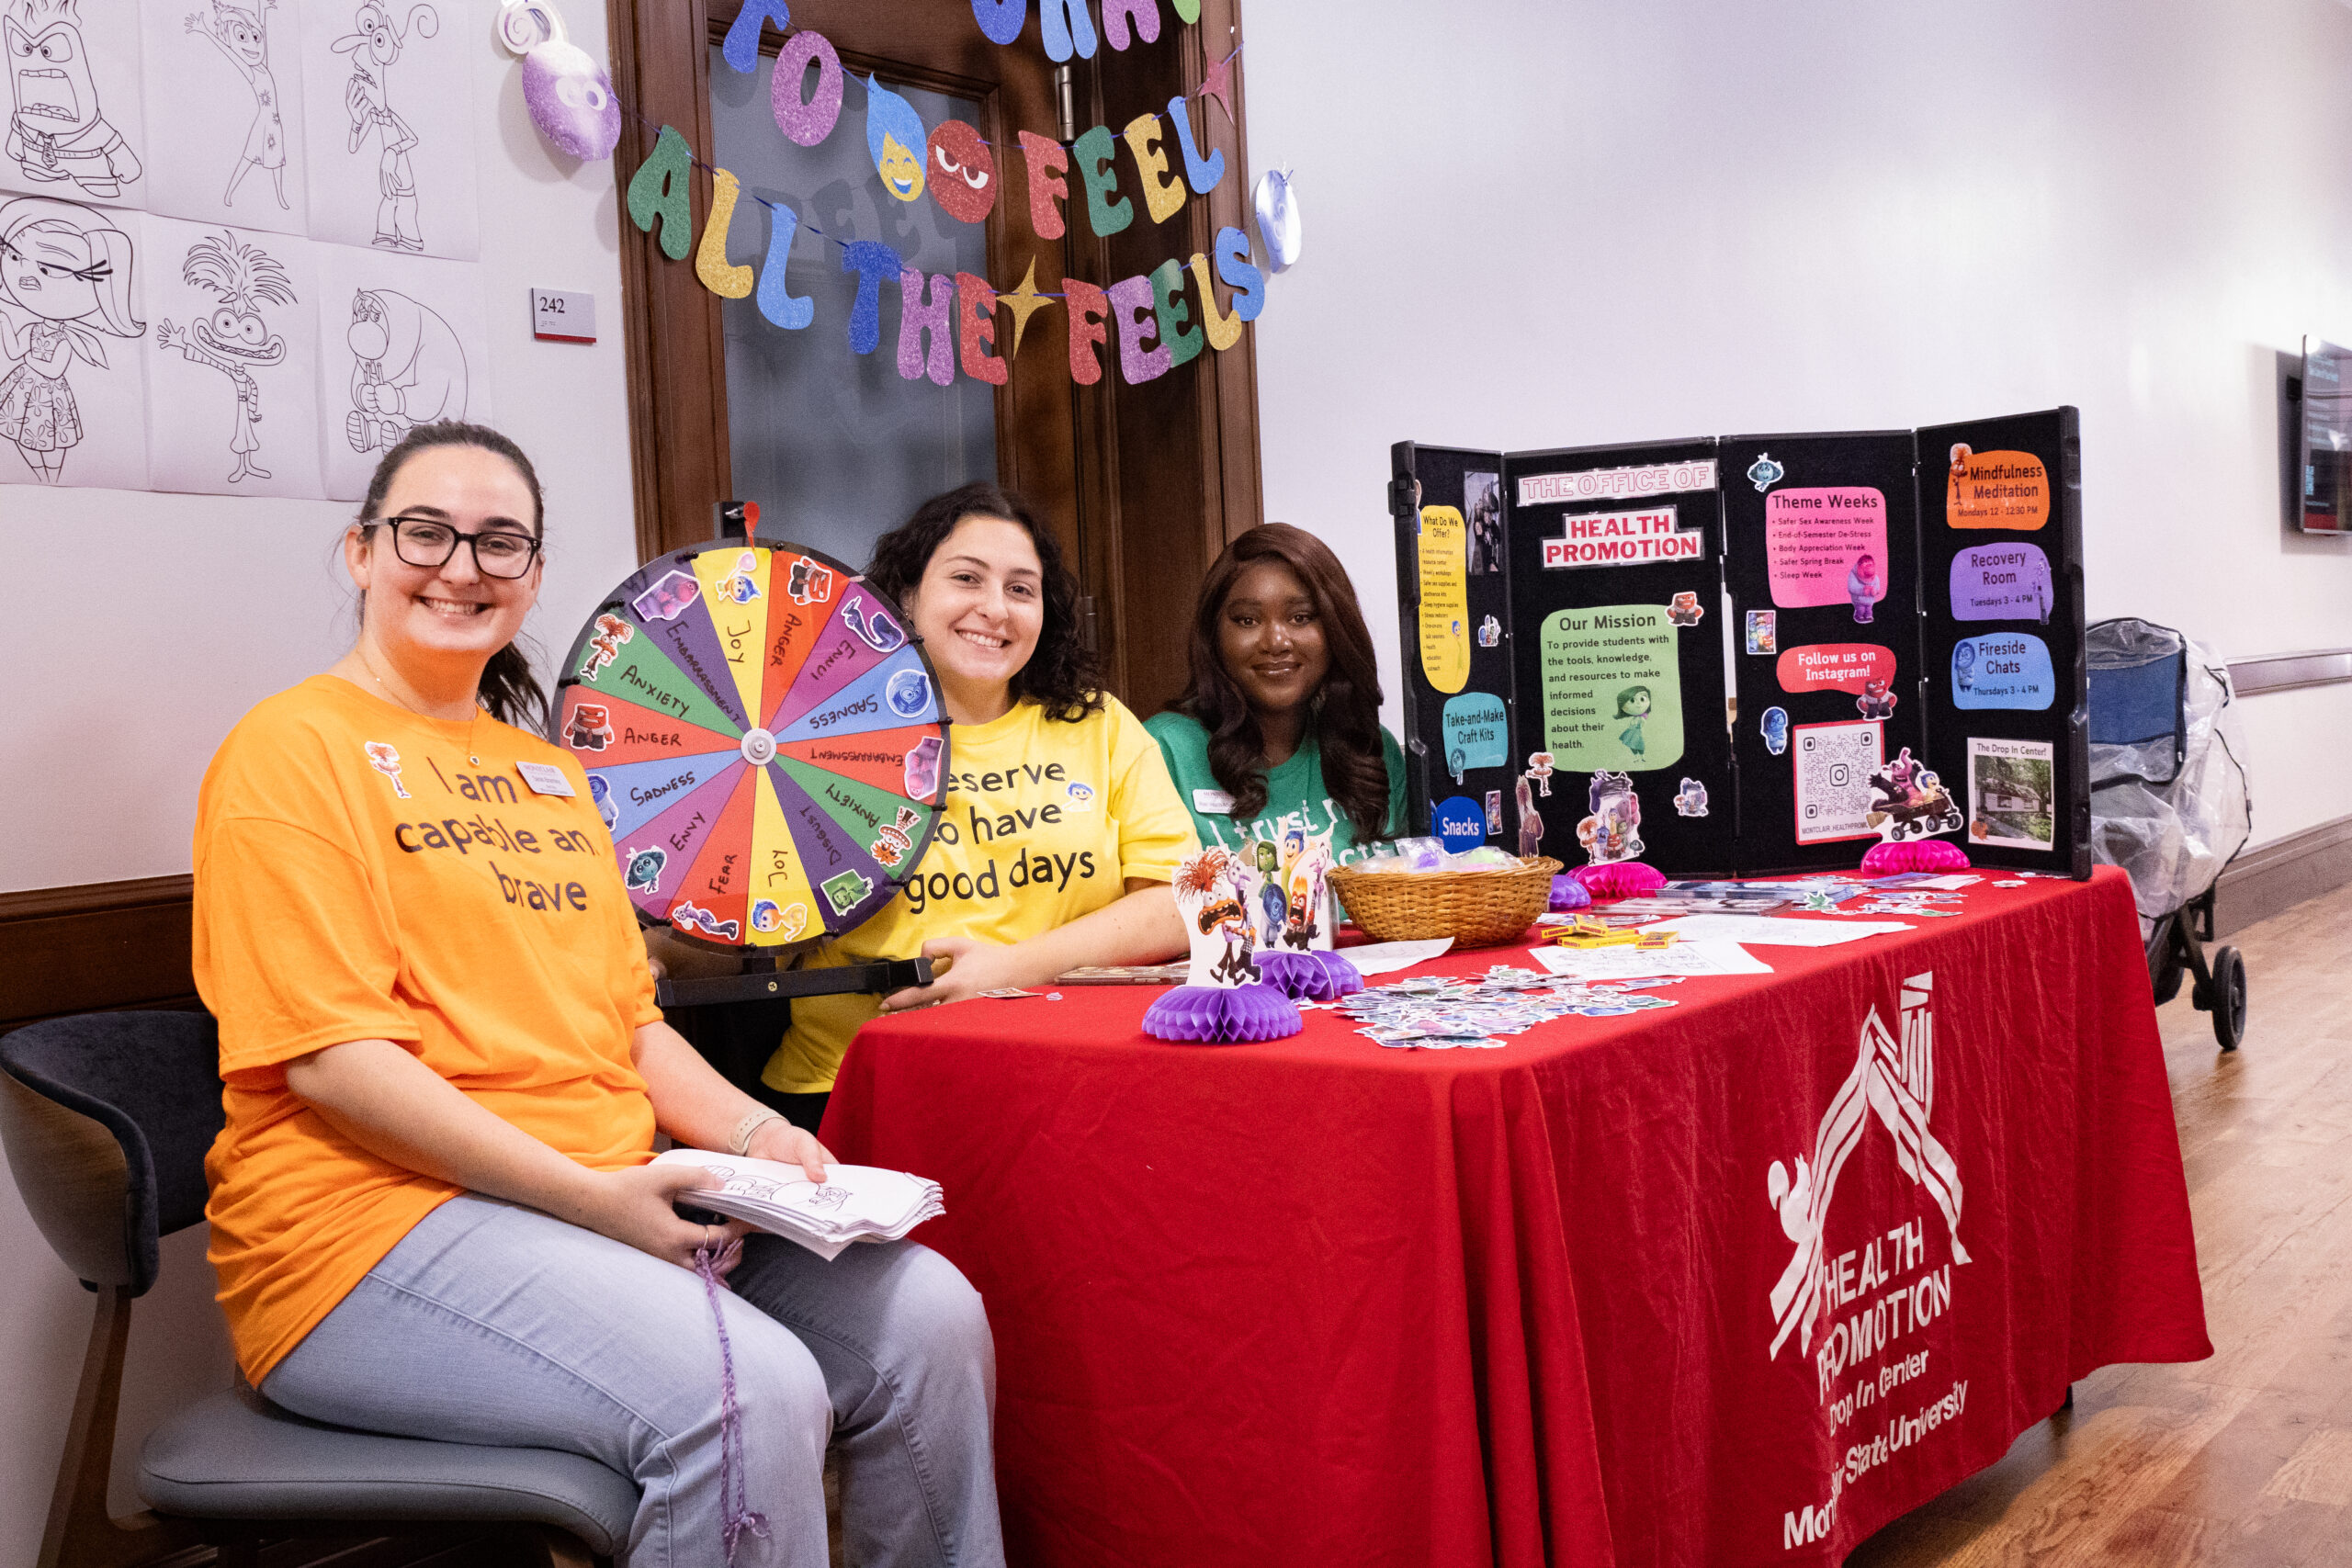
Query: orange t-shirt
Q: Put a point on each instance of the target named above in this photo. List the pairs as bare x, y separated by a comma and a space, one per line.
358, 878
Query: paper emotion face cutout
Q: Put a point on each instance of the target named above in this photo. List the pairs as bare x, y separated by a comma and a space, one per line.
570, 99
962, 172
894, 136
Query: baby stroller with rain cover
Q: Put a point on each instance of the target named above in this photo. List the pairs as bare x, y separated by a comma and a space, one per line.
2169, 802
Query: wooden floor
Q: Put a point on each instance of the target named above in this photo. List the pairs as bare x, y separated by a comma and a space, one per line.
2247, 1458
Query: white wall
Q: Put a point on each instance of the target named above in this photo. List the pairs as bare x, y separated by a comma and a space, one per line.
1526, 226
1533, 226
143, 626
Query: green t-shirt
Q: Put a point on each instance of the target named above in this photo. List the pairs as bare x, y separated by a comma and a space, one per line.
1295, 792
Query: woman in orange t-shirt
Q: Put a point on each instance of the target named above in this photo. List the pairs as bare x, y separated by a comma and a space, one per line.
432, 1211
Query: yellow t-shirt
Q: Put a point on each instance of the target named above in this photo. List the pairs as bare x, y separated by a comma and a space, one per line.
1042, 822
358, 878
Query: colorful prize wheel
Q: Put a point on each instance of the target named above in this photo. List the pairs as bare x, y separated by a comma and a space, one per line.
762, 738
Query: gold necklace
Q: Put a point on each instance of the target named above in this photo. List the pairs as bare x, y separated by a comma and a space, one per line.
369, 665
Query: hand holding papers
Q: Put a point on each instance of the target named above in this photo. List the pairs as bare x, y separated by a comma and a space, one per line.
855, 1202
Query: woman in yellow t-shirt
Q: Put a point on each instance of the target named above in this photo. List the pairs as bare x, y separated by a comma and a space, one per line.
443, 1067
1059, 830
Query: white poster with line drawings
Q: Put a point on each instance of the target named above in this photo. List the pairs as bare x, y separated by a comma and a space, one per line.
399, 346
389, 124
224, 93
233, 328
77, 127
73, 374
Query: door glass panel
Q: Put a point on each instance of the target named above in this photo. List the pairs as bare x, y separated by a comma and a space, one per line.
835, 446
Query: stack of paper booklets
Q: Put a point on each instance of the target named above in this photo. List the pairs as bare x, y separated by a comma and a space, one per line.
855, 1202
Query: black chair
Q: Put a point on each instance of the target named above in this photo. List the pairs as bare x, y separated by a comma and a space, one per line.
107, 1119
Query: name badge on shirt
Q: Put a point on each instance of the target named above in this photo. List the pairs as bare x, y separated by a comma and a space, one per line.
1212, 803
545, 778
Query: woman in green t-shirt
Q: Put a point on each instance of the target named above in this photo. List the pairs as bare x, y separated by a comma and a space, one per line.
1279, 727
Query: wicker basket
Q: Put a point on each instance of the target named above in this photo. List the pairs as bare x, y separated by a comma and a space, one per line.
1476, 908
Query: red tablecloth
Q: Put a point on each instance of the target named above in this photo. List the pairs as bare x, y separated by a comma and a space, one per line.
1319, 1302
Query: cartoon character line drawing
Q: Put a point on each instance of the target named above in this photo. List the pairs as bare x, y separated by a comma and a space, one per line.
410, 369
61, 267
55, 132
242, 33
234, 339
1633, 703
1862, 587
374, 44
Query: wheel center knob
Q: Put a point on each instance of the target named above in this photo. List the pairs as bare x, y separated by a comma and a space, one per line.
759, 747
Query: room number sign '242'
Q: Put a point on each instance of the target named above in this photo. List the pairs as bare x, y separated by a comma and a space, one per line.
559, 317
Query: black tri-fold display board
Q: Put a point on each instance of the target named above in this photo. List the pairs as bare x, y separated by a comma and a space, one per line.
1750, 654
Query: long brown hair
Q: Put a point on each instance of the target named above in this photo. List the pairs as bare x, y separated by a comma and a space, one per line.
509, 690
1061, 674
1346, 709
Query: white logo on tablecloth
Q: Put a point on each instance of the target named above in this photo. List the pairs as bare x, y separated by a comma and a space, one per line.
1895, 1080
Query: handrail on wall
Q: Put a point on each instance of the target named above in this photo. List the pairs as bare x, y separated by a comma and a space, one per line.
2283, 671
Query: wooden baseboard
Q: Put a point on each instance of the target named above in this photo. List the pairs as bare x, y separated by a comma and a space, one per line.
105, 944
2279, 875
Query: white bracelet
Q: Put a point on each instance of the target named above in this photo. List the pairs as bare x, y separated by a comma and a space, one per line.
750, 1125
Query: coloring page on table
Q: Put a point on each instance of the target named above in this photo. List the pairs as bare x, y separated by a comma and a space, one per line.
73, 374
232, 347
388, 121
223, 89
77, 127
399, 346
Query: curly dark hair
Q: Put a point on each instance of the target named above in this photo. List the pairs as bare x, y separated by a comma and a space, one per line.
1062, 675
1346, 722
509, 690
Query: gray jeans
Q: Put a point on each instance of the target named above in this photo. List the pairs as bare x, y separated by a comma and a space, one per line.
495, 1323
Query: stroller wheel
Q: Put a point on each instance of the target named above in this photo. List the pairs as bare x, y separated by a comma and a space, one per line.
2229, 997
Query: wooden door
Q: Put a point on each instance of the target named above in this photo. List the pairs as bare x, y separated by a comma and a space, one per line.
1143, 485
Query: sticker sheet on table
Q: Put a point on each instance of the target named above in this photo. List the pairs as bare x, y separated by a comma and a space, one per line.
765, 744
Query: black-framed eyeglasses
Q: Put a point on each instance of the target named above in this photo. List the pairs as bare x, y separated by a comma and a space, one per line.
428, 542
